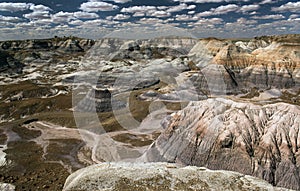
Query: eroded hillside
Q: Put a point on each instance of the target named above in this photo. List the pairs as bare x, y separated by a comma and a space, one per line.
71, 102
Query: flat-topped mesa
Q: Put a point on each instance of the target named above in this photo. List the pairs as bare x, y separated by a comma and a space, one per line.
221, 134
115, 49
68, 44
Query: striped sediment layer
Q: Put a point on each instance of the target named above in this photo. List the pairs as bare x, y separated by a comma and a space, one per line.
261, 63
261, 141
99, 100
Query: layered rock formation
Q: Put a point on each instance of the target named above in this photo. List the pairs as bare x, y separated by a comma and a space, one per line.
14, 55
68, 44
130, 85
99, 100
243, 137
159, 176
263, 63
96, 101
120, 49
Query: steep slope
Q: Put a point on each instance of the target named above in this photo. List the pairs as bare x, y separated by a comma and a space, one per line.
221, 134
269, 62
132, 84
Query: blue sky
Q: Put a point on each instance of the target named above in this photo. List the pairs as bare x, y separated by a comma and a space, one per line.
23, 19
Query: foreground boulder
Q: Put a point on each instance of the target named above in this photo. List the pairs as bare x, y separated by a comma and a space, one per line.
159, 176
262, 141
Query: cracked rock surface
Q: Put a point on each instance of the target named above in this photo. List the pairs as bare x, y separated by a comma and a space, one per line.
160, 176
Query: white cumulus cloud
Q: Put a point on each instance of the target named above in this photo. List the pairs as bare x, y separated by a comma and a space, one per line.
97, 6
185, 17
85, 15
121, 17
37, 15
245, 21
277, 16
210, 21
9, 19
181, 7
14, 7
223, 9
294, 17
140, 9
290, 6
205, 14
247, 8
39, 8
120, 1
62, 17
138, 14
160, 14
267, 1
150, 21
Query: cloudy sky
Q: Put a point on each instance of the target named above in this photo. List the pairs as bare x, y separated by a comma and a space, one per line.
23, 19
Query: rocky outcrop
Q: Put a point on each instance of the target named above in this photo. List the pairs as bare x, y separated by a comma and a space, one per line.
269, 62
9, 64
68, 44
15, 55
279, 38
147, 80
204, 51
98, 100
262, 141
119, 49
104, 100
159, 176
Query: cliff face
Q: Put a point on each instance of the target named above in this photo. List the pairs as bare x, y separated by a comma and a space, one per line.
159, 176
221, 134
263, 63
